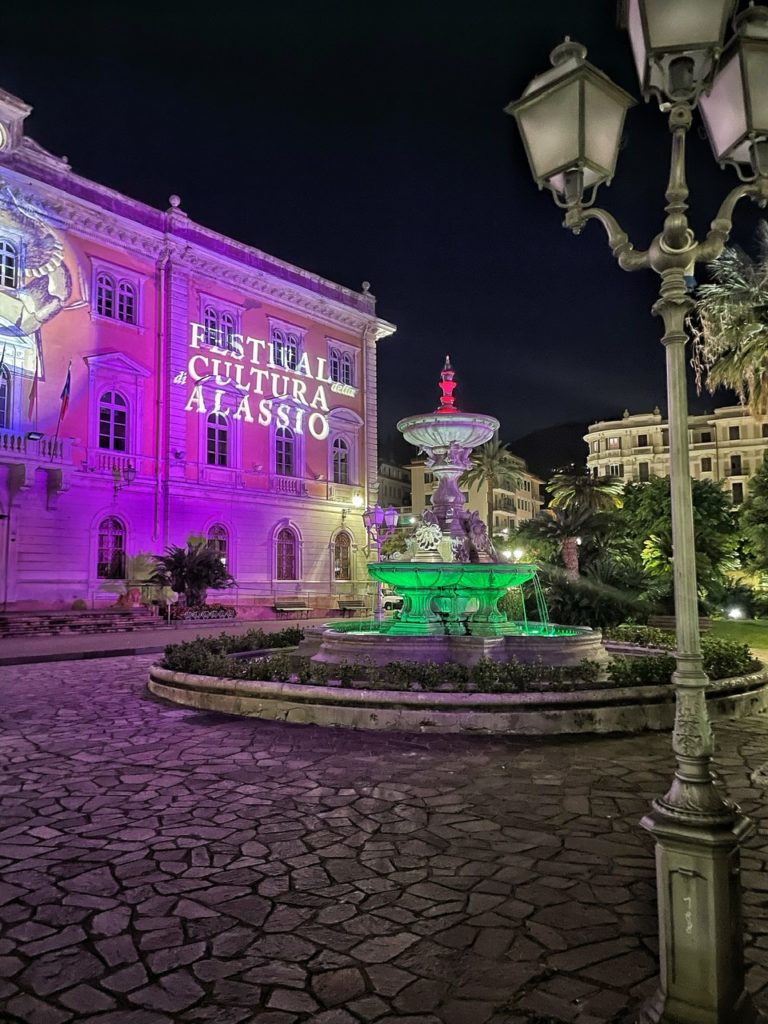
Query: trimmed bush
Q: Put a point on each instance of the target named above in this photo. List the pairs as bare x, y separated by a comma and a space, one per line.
722, 660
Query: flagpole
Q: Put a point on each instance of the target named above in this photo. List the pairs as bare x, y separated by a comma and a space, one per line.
63, 406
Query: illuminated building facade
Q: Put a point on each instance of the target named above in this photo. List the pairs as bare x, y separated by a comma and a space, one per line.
726, 445
158, 379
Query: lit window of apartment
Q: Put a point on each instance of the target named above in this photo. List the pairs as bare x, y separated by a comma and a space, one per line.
614, 442
595, 447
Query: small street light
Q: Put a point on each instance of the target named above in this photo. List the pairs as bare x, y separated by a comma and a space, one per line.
571, 120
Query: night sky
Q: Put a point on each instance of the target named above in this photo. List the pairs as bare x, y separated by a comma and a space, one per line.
367, 141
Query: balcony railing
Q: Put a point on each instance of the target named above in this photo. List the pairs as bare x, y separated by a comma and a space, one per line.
288, 485
21, 447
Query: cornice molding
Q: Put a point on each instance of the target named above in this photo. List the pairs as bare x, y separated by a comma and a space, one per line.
86, 218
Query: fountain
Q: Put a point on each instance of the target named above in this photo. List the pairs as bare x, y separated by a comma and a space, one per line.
452, 584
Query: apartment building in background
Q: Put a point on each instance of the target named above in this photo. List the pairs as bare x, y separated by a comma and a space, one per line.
727, 445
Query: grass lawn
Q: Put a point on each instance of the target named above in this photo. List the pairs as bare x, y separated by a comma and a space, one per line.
750, 631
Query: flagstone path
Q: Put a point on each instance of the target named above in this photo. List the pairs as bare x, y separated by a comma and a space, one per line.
159, 865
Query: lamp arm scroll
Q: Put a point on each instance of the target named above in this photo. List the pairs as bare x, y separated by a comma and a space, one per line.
721, 226
624, 252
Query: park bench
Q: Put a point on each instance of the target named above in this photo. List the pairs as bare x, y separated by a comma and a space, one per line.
669, 622
350, 605
291, 607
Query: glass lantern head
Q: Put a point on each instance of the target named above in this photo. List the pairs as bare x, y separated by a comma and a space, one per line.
571, 119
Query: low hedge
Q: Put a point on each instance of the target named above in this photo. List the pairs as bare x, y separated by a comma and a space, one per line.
722, 660
205, 655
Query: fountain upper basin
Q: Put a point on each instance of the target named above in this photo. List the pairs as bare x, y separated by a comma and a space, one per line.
438, 430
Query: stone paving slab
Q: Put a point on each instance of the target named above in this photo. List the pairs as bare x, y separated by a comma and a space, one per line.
160, 865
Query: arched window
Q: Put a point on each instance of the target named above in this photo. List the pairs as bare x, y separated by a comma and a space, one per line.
285, 348
9, 265
218, 440
285, 555
346, 369
335, 365
126, 302
218, 541
285, 452
211, 324
226, 329
342, 557
113, 422
105, 295
5, 398
111, 556
340, 461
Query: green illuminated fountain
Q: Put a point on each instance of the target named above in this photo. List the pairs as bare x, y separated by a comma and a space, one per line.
452, 584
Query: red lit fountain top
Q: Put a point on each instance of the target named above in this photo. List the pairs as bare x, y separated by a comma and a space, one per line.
447, 387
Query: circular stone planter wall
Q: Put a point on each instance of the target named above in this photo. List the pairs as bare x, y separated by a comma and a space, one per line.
597, 710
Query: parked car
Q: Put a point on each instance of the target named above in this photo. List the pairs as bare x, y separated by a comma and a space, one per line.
391, 602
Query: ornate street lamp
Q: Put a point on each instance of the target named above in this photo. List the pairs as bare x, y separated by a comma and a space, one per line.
380, 523
677, 45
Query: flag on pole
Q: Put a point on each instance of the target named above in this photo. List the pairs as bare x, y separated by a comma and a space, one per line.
33, 391
65, 392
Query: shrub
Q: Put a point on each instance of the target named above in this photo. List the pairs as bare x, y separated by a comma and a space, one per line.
79, 605
194, 655
644, 636
722, 660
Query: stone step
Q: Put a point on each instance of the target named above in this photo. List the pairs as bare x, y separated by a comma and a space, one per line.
23, 624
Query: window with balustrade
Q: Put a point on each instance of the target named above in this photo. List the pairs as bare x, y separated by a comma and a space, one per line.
113, 422
342, 557
286, 555
285, 452
111, 550
217, 448
340, 461
9, 264
341, 366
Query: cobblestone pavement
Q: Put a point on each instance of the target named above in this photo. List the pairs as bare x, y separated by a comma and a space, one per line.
161, 865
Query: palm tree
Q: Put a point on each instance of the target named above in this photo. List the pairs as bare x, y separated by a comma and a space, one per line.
493, 465
192, 571
730, 325
565, 526
582, 491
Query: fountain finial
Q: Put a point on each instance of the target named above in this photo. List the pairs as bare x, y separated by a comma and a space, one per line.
447, 387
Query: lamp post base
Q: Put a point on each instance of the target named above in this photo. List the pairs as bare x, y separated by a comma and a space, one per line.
700, 927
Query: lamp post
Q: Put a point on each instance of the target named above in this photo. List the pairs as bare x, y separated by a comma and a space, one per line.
571, 120
380, 523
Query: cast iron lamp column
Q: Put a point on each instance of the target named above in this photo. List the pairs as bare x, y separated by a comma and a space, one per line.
380, 523
696, 829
